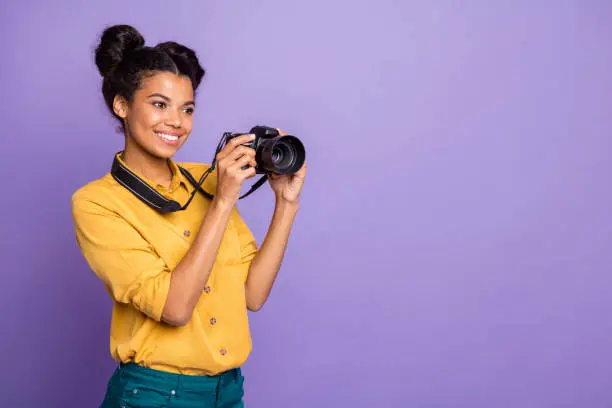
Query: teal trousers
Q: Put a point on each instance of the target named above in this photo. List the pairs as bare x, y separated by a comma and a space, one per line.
132, 385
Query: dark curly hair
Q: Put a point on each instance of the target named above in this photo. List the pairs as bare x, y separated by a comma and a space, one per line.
124, 61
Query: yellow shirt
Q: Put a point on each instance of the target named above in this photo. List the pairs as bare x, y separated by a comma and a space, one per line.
133, 249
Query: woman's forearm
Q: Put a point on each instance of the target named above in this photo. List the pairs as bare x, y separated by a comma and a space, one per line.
191, 274
266, 264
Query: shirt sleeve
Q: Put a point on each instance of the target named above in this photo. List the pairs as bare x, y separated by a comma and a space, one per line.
248, 245
117, 253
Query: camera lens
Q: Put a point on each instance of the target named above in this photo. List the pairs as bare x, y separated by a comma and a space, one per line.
283, 154
277, 155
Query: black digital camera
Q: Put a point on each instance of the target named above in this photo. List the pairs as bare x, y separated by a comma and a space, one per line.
274, 153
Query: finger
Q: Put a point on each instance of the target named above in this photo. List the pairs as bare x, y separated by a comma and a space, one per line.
242, 151
302, 171
249, 173
241, 162
237, 153
233, 143
244, 174
252, 162
281, 133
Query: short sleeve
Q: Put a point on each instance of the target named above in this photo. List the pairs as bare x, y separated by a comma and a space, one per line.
121, 257
248, 244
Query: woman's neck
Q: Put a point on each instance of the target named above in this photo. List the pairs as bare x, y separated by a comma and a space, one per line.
153, 168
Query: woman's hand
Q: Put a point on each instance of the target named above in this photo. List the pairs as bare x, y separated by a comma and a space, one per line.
230, 172
287, 187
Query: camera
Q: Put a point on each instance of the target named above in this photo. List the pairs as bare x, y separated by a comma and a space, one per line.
274, 153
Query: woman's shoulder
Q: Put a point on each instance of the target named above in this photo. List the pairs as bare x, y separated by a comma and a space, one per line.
106, 192
98, 191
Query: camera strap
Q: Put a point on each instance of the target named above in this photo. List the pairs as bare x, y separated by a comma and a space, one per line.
254, 187
157, 201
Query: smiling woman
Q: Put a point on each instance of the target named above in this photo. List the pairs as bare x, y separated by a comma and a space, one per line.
151, 91
158, 120
181, 281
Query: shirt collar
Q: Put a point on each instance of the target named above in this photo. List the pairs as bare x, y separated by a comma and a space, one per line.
177, 177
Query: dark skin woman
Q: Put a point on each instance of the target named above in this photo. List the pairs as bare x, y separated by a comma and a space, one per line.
181, 283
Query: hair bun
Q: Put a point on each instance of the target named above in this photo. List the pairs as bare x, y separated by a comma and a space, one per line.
116, 41
175, 49
185, 58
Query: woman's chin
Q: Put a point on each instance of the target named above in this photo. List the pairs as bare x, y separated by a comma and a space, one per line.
164, 151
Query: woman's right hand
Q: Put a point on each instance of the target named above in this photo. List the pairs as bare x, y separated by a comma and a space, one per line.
230, 162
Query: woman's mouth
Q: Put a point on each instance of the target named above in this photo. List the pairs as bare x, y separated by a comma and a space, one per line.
167, 138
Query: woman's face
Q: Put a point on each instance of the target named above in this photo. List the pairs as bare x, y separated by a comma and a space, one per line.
159, 119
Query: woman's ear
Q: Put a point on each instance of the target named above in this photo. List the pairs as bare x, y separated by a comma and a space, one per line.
120, 106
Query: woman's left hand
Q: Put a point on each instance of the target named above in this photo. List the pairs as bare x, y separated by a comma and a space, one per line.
287, 187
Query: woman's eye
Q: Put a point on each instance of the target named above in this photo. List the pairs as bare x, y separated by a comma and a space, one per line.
189, 111
160, 105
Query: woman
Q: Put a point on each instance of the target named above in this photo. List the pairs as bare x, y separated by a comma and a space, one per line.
181, 281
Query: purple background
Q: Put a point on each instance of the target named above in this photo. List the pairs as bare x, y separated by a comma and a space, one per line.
453, 245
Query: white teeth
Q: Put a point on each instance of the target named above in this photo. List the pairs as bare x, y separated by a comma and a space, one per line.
167, 137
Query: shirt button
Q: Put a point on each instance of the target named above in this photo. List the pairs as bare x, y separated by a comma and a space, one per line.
223, 352
173, 392
186, 233
213, 320
207, 289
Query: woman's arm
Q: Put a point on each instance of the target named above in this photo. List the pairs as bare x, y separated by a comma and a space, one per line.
191, 274
267, 262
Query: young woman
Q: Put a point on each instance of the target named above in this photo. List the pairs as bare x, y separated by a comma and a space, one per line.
181, 281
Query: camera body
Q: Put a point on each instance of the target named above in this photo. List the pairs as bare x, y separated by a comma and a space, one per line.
274, 153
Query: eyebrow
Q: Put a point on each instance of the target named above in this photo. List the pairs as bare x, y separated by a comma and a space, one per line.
164, 97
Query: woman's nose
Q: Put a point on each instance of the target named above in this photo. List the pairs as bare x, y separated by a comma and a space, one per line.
173, 119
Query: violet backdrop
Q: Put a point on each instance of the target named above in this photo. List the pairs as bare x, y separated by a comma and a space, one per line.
453, 243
